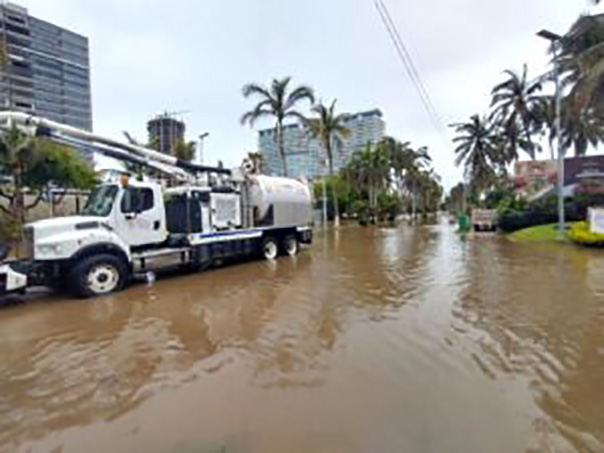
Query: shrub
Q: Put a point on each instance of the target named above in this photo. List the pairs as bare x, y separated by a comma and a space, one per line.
388, 206
513, 217
363, 212
581, 234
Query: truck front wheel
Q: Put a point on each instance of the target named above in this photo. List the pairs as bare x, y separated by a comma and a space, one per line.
97, 275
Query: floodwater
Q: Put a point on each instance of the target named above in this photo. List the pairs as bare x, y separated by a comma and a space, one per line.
374, 340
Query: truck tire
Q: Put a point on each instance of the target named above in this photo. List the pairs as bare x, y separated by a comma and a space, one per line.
269, 248
290, 246
97, 275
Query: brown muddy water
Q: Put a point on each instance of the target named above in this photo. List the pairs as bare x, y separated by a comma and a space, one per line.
374, 340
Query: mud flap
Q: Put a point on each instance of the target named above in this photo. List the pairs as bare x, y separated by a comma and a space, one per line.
304, 235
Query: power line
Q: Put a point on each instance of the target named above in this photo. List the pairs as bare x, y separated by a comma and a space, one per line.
407, 62
409, 66
408, 58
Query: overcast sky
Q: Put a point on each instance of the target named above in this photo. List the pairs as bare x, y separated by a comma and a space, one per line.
150, 56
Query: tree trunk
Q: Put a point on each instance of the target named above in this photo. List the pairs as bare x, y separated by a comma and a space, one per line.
18, 209
373, 199
413, 205
324, 196
281, 146
19, 200
336, 208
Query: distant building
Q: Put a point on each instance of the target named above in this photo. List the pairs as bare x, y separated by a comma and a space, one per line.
165, 131
304, 154
538, 178
44, 70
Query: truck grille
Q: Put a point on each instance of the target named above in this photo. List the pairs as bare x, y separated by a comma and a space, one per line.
28, 236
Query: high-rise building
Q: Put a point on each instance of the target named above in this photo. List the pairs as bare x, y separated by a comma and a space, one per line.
165, 131
305, 157
44, 69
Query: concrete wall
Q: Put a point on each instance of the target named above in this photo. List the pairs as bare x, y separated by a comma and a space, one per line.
70, 204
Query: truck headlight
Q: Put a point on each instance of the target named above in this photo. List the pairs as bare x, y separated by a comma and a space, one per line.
49, 249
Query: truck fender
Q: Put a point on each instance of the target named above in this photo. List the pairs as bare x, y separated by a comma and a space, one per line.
100, 248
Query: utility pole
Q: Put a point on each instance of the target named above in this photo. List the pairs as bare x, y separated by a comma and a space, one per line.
554, 38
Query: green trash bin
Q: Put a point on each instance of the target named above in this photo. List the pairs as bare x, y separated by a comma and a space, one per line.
463, 222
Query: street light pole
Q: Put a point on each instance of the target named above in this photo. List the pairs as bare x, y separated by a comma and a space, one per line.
200, 153
554, 38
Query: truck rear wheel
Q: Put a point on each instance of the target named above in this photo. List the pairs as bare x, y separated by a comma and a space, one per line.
270, 249
97, 275
291, 246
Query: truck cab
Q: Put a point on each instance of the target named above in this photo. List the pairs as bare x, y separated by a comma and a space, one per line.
125, 216
119, 219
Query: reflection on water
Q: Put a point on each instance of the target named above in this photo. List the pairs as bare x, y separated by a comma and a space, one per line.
393, 339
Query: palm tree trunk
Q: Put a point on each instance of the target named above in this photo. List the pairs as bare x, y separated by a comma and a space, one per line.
324, 196
281, 146
336, 208
19, 209
413, 204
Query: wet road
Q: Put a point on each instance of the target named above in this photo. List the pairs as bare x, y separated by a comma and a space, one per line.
375, 340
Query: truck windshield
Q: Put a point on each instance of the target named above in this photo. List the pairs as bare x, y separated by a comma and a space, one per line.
100, 201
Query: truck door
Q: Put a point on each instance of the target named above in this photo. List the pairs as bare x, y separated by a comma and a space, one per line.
141, 216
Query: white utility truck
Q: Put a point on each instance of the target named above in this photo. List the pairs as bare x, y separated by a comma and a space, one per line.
188, 216
484, 219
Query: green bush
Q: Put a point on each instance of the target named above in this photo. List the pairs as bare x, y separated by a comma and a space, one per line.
544, 211
389, 206
581, 234
361, 208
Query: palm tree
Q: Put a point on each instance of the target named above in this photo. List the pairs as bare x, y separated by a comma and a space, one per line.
581, 130
581, 59
400, 156
478, 151
368, 171
330, 130
546, 120
279, 103
431, 190
417, 160
514, 103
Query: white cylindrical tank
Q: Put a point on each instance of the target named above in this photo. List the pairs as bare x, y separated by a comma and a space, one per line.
279, 201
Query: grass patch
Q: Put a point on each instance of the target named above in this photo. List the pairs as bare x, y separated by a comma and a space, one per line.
541, 233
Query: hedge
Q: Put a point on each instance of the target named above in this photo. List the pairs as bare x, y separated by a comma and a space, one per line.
581, 234
545, 211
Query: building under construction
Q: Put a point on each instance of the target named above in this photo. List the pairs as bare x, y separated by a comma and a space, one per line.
165, 131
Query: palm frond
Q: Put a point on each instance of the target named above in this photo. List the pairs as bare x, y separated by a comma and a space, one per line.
254, 115
255, 89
